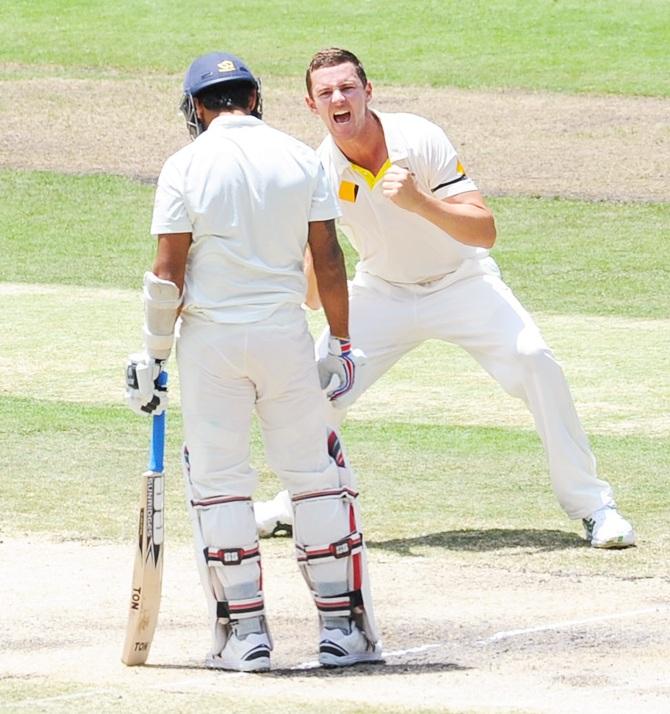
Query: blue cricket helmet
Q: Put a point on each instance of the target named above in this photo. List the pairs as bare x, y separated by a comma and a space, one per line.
207, 71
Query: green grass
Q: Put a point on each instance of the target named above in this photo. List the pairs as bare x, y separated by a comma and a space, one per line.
558, 255
44, 694
422, 442
583, 257
91, 230
449, 467
59, 454
469, 490
598, 46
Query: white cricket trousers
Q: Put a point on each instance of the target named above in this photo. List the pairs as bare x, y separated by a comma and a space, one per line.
473, 308
227, 371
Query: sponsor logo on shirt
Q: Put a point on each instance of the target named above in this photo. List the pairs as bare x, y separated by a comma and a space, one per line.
348, 191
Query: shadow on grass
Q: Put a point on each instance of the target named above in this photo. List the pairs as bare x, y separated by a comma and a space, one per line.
485, 540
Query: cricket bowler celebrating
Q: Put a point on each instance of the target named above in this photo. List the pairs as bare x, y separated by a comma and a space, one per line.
234, 211
423, 232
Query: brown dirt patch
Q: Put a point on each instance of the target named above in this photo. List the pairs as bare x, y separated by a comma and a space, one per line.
561, 643
512, 143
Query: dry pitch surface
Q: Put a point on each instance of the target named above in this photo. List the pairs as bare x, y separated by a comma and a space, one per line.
511, 635
614, 148
456, 638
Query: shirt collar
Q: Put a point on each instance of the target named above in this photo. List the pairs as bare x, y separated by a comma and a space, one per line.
395, 144
227, 119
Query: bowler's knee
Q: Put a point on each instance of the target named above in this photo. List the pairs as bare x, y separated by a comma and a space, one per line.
534, 355
532, 360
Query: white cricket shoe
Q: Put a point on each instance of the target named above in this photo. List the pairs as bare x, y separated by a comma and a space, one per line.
607, 528
338, 649
243, 654
275, 517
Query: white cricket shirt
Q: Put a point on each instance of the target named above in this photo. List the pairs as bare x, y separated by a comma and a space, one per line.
246, 192
392, 243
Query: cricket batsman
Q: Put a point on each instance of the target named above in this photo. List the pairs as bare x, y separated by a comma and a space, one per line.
234, 212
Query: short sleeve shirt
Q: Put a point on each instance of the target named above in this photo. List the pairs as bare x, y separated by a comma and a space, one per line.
246, 192
392, 243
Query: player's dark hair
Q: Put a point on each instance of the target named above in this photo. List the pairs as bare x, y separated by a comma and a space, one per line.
331, 57
227, 95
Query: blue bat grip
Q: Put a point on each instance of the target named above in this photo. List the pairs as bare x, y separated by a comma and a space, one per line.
157, 448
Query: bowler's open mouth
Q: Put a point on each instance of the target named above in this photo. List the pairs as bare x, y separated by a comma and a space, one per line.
341, 117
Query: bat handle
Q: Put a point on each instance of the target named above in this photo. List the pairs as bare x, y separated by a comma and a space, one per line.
157, 447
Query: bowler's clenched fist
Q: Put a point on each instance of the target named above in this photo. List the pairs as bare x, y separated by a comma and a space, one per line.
400, 186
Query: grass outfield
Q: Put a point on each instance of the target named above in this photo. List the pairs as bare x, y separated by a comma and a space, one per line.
601, 46
450, 452
151, 700
453, 478
559, 256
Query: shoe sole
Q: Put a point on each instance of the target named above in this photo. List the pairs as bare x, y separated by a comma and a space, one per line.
279, 530
615, 543
262, 664
333, 661
282, 530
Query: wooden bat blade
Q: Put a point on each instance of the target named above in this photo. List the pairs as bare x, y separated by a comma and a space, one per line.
145, 590
145, 593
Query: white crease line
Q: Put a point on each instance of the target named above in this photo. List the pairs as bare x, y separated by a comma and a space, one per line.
397, 653
198, 683
66, 697
569, 623
636, 686
119, 694
413, 650
313, 664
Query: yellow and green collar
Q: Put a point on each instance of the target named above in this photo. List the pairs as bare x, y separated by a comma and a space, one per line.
370, 179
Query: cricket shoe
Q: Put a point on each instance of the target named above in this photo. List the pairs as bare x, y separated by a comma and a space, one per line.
339, 649
274, 518
243, 654
607, 528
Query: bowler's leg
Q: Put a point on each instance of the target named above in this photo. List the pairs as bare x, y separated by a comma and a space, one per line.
503, 338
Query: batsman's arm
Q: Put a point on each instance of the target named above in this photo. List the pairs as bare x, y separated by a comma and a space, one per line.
312, 298
331, 275
171, 253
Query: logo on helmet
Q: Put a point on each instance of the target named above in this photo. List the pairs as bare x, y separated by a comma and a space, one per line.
225, 66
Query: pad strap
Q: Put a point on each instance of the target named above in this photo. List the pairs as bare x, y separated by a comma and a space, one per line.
344, 492
342, 605
240, 609
217, 501
217, 557
350, 545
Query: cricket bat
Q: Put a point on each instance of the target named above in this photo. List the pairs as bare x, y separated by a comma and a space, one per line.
145, 593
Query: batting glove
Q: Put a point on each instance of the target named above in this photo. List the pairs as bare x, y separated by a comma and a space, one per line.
143, 393
337, 370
